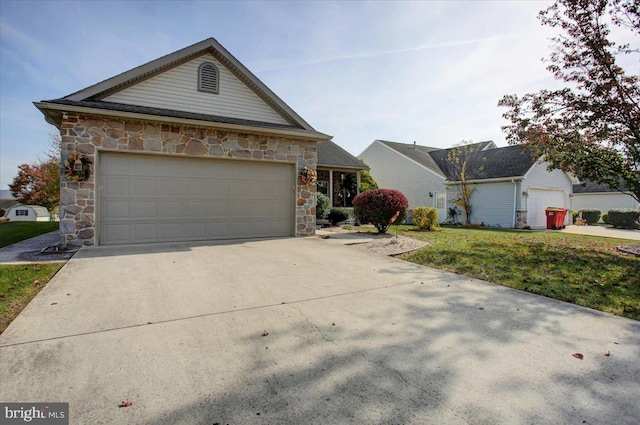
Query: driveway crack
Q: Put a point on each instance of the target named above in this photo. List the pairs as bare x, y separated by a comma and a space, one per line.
314, 326
430, 393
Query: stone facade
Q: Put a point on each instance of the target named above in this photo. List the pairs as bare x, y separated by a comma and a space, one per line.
521, 219
89, 135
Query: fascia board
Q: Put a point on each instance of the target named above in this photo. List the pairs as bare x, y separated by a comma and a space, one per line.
304, 134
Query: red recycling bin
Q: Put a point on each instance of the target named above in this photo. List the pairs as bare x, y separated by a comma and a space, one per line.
555, 218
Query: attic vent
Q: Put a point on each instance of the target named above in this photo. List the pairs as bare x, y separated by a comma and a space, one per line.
208, 78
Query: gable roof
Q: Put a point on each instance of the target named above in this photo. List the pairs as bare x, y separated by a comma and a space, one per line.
490, 162
418, 153
332, 155
92, 97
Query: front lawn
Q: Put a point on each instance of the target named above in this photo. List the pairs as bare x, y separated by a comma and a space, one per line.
16, 231
19, 284
583, 270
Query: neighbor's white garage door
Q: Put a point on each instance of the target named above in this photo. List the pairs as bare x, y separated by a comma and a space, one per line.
149, 198
538, 201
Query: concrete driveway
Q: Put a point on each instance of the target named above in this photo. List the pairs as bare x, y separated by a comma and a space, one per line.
304, 331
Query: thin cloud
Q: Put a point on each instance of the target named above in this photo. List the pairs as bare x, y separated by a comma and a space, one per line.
366, 55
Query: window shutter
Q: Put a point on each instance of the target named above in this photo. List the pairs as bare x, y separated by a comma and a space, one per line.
208, 78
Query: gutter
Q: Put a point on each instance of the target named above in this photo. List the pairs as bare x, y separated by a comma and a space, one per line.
46, 108
495, 180
515, 197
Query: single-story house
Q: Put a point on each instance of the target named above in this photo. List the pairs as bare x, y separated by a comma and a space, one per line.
592, 195
190, 146
511, 188
27, 213
338, 174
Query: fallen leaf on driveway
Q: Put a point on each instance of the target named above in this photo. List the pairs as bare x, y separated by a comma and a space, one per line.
480, 308
283, 302
578, 356
125, 404
608, 354
265, 333
54, 303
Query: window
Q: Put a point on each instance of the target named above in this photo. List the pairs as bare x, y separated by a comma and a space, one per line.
440, 200
208, 80
22, 213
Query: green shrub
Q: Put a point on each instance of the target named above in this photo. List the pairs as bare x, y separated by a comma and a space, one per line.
590, 215
575, 214
605, 218
425, 218
336, 215
379, 206
623, 217
1, 212
322, 206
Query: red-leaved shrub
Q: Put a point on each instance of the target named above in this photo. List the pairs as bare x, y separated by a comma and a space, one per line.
378, 206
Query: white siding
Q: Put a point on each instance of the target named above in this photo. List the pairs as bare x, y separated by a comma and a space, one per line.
392, 170
177, 89
539, 177
545, 188
492, 204
603, 201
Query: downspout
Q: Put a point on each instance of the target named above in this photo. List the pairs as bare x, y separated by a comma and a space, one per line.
515, 198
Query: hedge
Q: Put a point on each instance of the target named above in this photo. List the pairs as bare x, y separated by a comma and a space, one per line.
623, 217
590, 215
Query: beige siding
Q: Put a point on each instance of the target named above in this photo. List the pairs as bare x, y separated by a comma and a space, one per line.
177, 89
392, 170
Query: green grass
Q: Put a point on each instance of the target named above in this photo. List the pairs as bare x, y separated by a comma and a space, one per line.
583, 270
16, 231
18, 285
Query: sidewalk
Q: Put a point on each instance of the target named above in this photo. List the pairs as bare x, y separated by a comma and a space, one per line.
28, 251
605, 232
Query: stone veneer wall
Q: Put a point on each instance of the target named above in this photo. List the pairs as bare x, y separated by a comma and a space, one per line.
87, 135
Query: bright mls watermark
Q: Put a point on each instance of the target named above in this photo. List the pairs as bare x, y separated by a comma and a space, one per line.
34, 413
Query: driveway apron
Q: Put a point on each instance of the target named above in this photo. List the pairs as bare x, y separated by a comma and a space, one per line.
300, 330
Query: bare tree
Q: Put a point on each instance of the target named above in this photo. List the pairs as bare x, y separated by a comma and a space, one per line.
460, 161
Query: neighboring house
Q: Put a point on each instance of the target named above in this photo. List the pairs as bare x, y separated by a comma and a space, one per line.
593, 195
7, 200
338, 174
510, 187
190, 146
27, 213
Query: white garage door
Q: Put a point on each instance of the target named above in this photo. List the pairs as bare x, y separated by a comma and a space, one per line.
538, 201
149, 198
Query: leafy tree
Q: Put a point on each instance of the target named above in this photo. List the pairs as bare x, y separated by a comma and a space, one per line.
591, 127
366, 181
39, 183
457, 165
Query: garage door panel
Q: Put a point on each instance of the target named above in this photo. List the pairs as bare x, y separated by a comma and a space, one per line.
118, 233
171, 168
144, 187
116, 209
218, 189
116, 186
538, 201
145, 209
218, 209
145, 166
147, 198
145, 232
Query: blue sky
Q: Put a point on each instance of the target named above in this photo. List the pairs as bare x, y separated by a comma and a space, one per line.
428, 71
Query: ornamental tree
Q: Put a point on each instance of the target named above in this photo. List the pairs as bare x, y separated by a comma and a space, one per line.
378, 207
39, 183
591, 127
